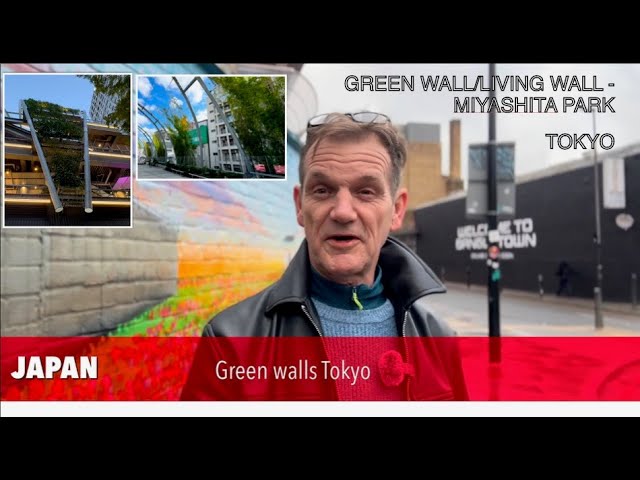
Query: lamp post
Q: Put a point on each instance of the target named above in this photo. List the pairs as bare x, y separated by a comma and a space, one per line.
493, 286
597, 290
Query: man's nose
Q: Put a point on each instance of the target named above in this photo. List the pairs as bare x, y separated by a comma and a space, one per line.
343, 211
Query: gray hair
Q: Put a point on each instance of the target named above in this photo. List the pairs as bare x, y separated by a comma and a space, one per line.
339, 126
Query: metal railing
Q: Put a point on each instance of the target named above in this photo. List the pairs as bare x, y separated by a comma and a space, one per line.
98, 146
107, 192
27, 186
12, 115
26, 190
95, 146
20, 141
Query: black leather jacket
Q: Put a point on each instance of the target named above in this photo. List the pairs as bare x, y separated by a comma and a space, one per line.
285, 310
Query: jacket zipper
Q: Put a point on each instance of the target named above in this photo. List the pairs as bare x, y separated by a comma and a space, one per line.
324, 347
406, 349
356, 300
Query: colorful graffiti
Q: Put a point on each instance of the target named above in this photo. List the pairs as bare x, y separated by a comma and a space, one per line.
234, 240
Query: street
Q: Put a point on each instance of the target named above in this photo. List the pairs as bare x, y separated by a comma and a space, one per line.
147, 172
525, 314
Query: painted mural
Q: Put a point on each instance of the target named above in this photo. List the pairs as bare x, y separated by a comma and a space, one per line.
234, 238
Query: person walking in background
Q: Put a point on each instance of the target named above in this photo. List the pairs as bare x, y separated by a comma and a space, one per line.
563, 273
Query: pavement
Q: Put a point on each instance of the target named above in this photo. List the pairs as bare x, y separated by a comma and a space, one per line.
147, 172
528, 314
550, 348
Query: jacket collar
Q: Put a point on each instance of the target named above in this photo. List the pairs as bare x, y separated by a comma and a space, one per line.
404, 275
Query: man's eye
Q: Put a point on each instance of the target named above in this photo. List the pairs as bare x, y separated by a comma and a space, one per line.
320, 191
367, 192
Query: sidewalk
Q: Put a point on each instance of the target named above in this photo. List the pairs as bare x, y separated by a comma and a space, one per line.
526, 314
147, 172
623, 308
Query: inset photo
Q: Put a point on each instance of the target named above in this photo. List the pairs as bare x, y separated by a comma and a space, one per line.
67, 150
213, 127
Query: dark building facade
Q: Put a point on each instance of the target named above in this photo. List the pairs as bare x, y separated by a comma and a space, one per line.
554, 223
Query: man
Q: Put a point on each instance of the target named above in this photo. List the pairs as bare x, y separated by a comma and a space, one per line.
564, 272
351, 286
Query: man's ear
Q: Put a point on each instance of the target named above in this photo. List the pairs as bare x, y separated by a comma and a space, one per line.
399, 208
297, 198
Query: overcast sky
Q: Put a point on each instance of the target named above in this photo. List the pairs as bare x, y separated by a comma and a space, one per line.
526, 130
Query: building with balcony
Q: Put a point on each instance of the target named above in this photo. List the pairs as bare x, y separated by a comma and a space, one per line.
170, 156
36, 163
224, 152
101, 106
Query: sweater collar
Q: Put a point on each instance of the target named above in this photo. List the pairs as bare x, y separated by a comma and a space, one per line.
405, 277
347, 297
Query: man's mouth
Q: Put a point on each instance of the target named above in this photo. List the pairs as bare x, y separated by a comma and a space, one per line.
342, 241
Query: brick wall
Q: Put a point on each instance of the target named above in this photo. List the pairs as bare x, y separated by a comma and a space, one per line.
85, 280
422, 175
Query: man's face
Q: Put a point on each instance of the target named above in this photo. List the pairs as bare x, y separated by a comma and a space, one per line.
347, 208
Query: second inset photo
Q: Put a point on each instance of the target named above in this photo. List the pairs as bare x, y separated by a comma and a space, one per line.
210, 128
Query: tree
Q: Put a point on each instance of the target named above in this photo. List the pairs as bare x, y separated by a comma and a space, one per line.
257, 105
180, 137
120, 86
161, 151
147, 150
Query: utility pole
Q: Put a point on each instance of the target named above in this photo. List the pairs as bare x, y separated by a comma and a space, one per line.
597, 291
493, 278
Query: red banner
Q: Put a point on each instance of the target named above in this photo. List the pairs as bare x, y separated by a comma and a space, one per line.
425, 369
